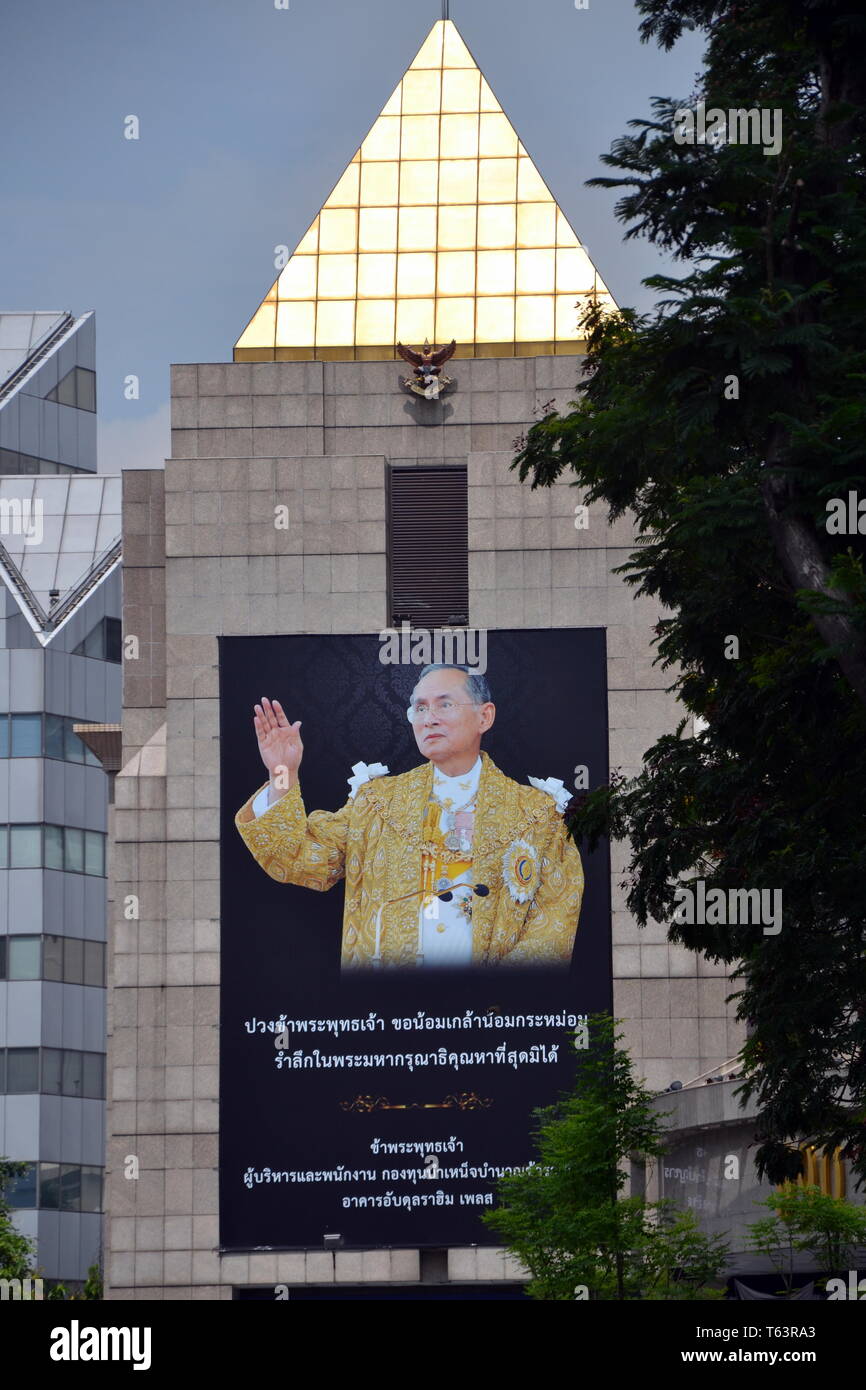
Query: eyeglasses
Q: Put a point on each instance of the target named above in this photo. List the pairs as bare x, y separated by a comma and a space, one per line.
443, 707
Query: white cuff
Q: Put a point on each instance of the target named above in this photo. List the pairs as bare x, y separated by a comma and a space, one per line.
260, 802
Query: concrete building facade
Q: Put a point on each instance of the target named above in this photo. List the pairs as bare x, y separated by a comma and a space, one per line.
203, 558
440, 228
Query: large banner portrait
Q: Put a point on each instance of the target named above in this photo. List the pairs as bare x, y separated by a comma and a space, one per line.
409, 933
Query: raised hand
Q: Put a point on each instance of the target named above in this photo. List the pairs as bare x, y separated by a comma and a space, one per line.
280, 746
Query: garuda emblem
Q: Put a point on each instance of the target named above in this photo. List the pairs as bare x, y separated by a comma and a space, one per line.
428, 379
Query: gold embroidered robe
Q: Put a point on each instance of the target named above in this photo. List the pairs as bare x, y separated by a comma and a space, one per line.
520, 850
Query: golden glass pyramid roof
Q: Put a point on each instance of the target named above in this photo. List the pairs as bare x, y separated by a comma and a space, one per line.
441, 227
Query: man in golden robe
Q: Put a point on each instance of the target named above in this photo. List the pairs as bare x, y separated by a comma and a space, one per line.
450, 865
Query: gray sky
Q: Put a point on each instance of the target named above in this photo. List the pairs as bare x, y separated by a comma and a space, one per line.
248, 116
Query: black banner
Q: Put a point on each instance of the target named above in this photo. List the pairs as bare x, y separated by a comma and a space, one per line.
380, 1106
121, 1340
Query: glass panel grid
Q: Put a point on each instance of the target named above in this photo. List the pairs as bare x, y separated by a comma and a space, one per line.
440, 227
70, 1188
26, 735
52, 847
91, 1189
24, 957
52, 1071
49, 1185
67, 1187
21, 1191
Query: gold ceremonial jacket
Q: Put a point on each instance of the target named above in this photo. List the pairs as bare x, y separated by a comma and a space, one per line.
520, 850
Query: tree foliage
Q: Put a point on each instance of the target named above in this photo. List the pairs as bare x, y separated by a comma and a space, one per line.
16, 1250
91, 1290
805, 1219
725, 420
565, 1217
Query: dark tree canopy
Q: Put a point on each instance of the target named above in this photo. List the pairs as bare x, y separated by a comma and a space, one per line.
726, 420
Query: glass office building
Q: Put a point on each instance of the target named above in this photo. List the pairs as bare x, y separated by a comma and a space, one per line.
59, 671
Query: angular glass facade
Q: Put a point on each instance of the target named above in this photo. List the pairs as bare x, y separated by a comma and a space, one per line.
59, 653
441, 227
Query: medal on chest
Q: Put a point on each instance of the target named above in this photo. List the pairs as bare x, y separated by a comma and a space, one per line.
458, 830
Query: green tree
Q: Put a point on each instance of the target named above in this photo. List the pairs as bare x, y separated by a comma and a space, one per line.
725, 421
774, 1238
679, 1261
806, 1219
565, 1217
93, 1287
16, 1250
